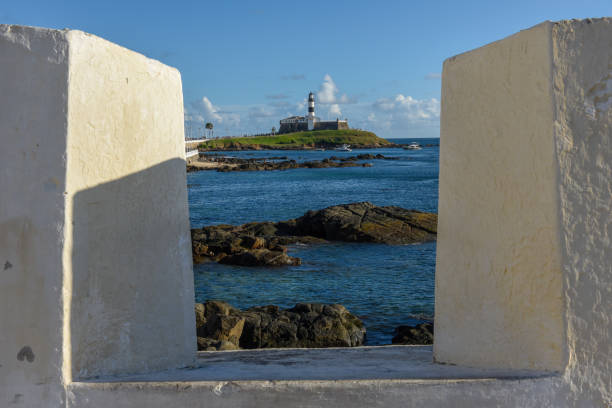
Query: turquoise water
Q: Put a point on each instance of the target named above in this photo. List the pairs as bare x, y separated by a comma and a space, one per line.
385, 285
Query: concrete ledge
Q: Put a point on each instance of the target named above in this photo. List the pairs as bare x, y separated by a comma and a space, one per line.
359, 363
359, 377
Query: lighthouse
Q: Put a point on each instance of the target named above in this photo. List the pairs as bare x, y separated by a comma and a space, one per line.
311, 114
310, 121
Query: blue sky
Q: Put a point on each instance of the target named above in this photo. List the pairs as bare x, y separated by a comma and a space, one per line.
247, 64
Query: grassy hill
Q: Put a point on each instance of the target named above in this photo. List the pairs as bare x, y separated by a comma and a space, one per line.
300, 140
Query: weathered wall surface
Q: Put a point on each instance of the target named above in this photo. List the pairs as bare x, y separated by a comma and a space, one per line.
530, 393
330, 125
582, 83
575, 81
292, 127
95, 265
33, 102
321, 125
128, 249
95, 261
498, 273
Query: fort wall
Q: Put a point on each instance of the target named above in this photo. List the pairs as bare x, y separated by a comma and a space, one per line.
96, 284
95, 263
523, 259
498, 193
319, 125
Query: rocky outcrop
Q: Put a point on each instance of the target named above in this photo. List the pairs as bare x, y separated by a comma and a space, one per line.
263, 243
232, 245
227, 164
365, 222
420, 334
260, 257
221, 326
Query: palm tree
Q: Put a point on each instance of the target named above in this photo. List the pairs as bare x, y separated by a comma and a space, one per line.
209, 126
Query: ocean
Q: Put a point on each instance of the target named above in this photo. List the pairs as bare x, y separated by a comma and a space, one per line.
384, 285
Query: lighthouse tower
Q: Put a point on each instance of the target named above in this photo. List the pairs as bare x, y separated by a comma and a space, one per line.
311, 114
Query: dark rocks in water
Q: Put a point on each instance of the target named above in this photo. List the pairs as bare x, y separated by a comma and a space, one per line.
420, 334
236, 246
263, 243
227, 164
365, 156
260, 257
365, 222
305, 325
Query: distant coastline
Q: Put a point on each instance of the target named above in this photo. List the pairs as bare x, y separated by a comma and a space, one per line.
318, 139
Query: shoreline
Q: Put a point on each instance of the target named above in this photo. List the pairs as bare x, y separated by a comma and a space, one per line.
265, 243
227, 164
260, 147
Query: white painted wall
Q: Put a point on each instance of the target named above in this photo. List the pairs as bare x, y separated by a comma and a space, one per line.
582, 74
33, 122
498, 272
524, 275
95, 258
128, 247
95, 266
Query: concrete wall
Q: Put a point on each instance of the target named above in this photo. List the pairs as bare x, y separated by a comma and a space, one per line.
292, 127
33, 122
129, 258
498, 273
582, 92
95, 263
95, 269
524, 269
330, 125
320, 125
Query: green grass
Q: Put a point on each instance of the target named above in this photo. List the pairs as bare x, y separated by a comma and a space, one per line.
317, 138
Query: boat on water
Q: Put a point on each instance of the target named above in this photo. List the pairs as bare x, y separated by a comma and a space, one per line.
344, 148
413, 146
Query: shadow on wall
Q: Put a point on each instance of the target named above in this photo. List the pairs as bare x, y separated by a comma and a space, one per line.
132, 303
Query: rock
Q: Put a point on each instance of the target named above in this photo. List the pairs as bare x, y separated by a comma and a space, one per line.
208, 344
251, 242
221, 321
260, 257
226, 164
218, 307
200, 313
420, 334
224, 345
364, 222
263, 243
261, 229
305, 325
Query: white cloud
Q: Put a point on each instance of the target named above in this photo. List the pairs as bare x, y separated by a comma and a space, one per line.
408, 108
397, 116
327, 91
261, 112
207, 110
433, 75
329, 99
334, 109
203, 110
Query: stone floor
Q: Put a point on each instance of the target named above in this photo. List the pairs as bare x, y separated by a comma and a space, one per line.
359, 363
